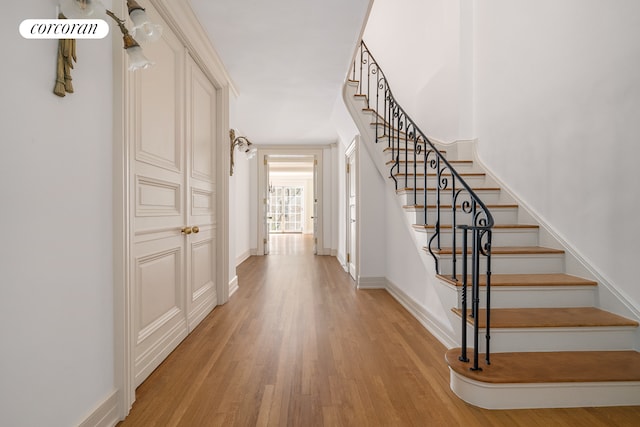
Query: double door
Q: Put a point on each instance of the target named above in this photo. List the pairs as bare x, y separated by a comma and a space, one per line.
173, 183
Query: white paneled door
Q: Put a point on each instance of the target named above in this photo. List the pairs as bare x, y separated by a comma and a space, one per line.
173, 197
201, 196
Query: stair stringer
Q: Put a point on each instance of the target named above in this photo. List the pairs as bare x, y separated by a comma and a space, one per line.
415, 293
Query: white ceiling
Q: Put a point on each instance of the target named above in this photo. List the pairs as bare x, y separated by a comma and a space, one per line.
287, 59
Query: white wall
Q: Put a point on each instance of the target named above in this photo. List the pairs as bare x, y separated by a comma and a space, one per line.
347, 131
372, 238
406, 268
56, 282
559, 118
240, 219
417, 44
549, 89
328, 199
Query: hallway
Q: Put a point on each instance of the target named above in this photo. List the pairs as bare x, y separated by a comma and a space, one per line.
298, 345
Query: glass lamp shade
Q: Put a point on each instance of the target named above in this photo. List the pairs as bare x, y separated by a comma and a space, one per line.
83, 9
137, 60
143, 29
251, 152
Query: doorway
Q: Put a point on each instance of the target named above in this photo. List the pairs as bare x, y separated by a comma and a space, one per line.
290, 196
352, 213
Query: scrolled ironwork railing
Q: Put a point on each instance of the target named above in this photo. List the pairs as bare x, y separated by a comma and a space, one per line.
444, 194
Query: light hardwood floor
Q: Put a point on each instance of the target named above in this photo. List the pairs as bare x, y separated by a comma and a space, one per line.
298, 345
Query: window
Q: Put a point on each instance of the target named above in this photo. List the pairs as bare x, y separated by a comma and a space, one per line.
285, 209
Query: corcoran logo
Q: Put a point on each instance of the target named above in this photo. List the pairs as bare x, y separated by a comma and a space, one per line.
64, 29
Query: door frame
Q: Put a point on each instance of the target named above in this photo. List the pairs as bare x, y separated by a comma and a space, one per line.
182, 20
352, 151
294, 150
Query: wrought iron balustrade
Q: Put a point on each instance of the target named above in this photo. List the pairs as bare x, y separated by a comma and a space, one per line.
414, 155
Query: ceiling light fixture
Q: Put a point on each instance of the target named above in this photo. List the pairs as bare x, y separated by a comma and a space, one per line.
240, 141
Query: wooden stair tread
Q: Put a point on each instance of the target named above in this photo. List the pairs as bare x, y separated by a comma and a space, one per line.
507, 250
496, 226
559, 279
551, 367
548, 317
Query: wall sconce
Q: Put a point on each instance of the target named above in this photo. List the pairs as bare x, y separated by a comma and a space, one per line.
143, 29
240, 141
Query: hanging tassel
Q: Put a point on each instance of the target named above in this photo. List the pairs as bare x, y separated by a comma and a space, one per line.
59, 89
69, 55
66, 58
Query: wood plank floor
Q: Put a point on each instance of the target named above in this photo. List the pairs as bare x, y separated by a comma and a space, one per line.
297, 345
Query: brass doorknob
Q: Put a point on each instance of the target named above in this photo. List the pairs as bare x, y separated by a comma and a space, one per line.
187, 230
195, 229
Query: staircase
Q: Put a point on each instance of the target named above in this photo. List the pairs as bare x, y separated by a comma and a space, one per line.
551, 345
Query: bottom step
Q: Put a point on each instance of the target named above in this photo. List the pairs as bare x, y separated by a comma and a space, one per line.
548, 379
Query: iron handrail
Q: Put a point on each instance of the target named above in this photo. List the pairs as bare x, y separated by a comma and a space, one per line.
399, 129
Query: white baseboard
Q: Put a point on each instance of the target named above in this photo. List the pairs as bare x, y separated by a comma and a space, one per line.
372, 282
421, 315
105, 415
342, 262
233, 286
416, 310
243, 257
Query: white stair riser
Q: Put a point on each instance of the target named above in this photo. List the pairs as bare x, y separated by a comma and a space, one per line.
500, 237
500, 215
488, 197
431, 166
525, 296
472, 181
556, 339
512, 264
534, 297
556, 395
460, 167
